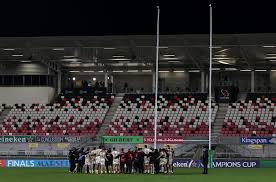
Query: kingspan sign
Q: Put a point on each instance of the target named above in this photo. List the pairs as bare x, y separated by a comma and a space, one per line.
257, 140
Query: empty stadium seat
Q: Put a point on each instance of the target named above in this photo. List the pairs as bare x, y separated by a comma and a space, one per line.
256, 117
75, 116
178, 115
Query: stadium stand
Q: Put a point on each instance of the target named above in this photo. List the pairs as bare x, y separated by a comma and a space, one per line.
179, 115
69, 115
254, 117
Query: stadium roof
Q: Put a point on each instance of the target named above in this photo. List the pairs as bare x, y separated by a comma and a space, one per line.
133, 17
181, 52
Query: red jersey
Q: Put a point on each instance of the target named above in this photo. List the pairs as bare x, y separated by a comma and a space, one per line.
122, 157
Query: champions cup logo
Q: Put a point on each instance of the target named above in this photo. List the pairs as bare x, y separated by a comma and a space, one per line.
224, 92
195, 164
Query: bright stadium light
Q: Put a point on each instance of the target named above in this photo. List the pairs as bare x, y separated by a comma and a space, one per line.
269, 46
26, 61
58, 49
73, 71
168, 55
194, 71
230, 69
179, 71
8, 49
170, 58
119, 59
145, 71
69, 56
223, 62
245, 70
118, 56
109, 48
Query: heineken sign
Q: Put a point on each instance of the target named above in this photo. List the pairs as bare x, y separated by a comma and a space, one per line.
122, 139
16, 139
40, 139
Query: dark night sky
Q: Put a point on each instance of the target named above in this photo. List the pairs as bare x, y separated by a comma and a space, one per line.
123, 17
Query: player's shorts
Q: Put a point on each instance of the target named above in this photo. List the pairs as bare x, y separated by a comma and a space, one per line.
102, 161
98, 160
163, 161
146, 160
87, 162
93, 161
170, 162
116, 162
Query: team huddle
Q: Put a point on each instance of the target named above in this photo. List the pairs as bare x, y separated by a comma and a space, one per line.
101, 160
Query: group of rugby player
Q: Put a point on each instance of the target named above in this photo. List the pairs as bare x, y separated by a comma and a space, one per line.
140, 160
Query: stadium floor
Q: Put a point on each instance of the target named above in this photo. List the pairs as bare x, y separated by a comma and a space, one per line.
183, 175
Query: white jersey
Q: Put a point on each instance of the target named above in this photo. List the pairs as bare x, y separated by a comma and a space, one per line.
97, 152
115, 154
102, 154
147, 151
93, 155
146, 158
87, 159
93, 152
170, 153
162, 154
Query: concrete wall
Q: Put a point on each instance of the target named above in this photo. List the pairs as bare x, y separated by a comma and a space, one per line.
27, 95
173, 80
134, 81
273, 80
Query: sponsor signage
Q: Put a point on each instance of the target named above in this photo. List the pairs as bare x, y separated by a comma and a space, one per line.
40, 139
177, 163
257, 140
37, 163
268, 163
57, 139
186, 163
164, 140
255, 147
2, 163
122, 139
16, 139
225, 94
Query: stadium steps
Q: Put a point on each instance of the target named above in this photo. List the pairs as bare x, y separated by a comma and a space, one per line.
3, 115
198, 153
224, 151
185, 151
109, 115
217, 125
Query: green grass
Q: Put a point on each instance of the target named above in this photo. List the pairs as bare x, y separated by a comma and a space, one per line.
183, 175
